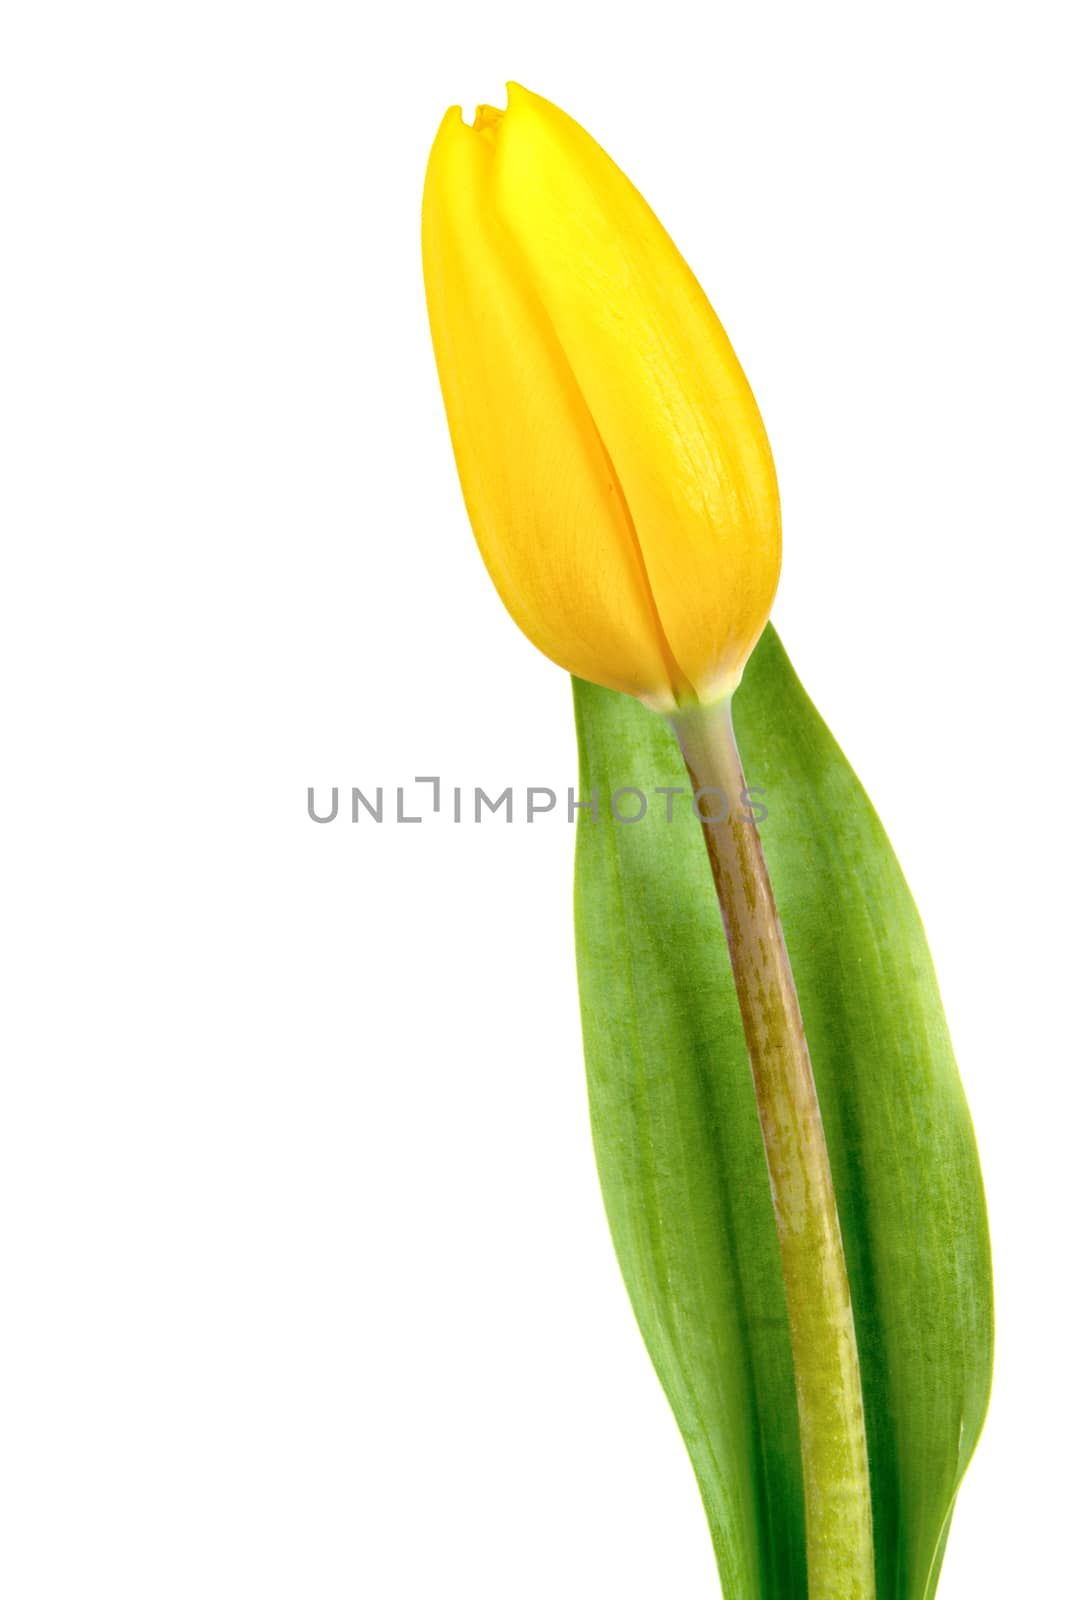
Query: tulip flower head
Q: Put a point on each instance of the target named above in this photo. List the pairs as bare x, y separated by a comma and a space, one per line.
613, 461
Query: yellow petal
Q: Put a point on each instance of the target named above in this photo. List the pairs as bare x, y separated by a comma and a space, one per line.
542, 496
657, 373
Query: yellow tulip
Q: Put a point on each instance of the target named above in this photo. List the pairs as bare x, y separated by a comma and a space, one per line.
613, 461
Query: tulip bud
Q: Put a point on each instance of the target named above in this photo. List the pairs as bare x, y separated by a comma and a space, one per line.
613, 462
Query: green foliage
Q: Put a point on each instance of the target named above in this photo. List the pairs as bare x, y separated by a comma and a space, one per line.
678, 1144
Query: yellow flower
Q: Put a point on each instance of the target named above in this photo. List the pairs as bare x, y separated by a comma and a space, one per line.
614, 464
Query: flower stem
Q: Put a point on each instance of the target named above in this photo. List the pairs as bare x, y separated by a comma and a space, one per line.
833, 1444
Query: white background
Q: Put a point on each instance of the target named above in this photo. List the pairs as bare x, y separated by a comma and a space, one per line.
306, 1285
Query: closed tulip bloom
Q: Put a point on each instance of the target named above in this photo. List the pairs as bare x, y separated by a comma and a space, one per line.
614, 464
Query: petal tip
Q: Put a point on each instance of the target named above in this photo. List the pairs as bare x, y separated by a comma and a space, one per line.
486, 118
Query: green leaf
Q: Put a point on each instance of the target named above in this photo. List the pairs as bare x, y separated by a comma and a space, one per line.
678, 1144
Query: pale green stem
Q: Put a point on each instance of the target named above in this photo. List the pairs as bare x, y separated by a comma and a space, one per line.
833, 1444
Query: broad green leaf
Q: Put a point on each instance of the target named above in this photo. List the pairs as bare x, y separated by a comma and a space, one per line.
678, 1145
